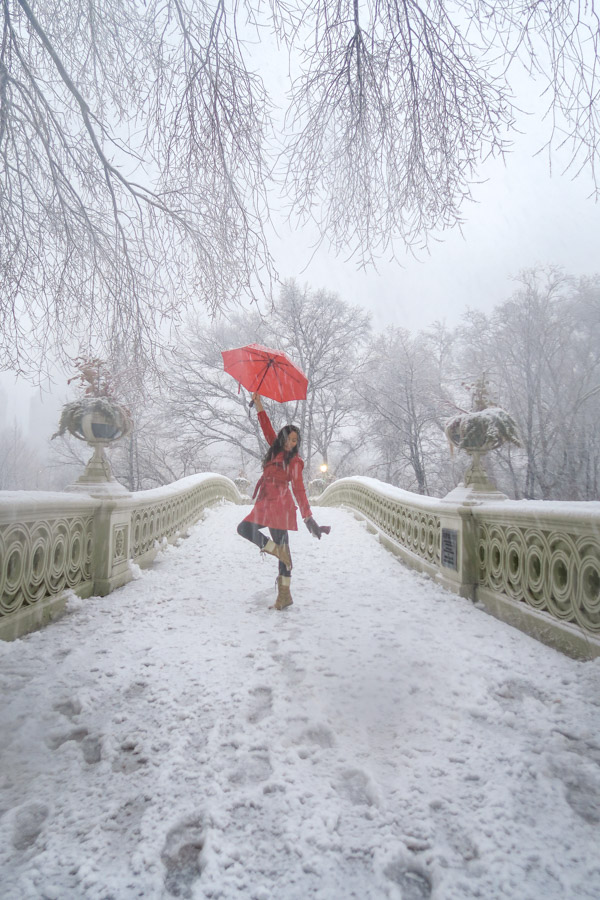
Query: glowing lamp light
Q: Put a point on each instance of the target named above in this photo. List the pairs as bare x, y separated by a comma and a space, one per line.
323, 467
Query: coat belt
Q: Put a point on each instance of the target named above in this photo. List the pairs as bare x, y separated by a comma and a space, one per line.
262, 480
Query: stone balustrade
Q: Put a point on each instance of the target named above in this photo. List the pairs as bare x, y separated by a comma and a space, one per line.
533, 564
52, 542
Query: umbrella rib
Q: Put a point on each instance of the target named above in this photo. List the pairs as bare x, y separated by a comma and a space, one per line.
256, 354
269, 364
260, 354
278, 381
292, 375
288, 374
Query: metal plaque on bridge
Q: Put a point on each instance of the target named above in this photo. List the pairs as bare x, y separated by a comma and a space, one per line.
449, 548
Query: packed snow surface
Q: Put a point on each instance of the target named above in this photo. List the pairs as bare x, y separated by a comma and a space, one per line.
381, 738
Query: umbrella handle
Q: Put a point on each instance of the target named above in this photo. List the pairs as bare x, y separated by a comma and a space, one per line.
269, 364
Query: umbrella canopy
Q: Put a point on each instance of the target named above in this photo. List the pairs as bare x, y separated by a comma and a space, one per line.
269, 372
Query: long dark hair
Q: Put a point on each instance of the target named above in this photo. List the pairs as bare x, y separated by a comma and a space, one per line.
278, 445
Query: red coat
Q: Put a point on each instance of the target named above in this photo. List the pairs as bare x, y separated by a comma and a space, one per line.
275, 505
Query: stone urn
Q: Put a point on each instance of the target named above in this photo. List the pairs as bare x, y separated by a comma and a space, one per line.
243, 485
316, 487
99, 421
476, 433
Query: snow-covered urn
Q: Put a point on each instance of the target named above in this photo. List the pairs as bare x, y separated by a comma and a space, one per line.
482, 430
99, 419
243, 485
477, 432
95, 420
317, 486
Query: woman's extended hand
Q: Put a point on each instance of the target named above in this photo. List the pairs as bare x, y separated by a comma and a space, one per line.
257, 402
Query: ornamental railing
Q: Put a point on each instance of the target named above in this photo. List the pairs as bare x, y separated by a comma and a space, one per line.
533, 564
53, 542
46, 546
162, 514
544, 558
411, 521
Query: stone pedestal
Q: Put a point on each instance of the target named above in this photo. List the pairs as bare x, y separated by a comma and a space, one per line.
98, 479
458, 529
476, 487
112, 547
99, 426
458, 554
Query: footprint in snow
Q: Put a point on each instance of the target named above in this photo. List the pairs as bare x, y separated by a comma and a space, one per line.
293, 673
124, 824
261, 600
582, 787
182, 856
262, 704
28, 824
136, 689
356, 786
449, 828
318, 734
91, 747
518, 689
582, 746
252, 769
413, 882
129, 759
57, 738
69, 707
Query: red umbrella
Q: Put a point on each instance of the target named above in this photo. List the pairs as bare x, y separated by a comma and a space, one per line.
268, 372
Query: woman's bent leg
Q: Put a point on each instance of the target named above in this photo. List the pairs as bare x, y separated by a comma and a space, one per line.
251, 531
282, 537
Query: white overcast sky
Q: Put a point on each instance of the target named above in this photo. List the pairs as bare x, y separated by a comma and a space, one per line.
523, 216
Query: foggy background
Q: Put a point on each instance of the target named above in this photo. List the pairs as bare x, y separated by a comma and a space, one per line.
524, 215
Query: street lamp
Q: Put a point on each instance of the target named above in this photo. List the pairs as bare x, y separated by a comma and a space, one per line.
323, 467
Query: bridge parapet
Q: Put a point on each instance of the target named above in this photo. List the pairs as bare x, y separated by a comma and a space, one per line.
533, 564
53, 542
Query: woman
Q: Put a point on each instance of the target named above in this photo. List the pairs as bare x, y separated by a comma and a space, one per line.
274, 508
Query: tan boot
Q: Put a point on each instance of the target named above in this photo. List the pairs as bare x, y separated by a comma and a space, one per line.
281, 551
284, 597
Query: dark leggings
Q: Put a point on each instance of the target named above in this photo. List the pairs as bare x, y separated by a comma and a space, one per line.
251, 531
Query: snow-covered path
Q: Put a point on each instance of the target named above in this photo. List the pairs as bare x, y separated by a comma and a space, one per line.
379, 739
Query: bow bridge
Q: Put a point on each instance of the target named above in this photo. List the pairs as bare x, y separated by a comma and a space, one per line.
382, 738
534, 564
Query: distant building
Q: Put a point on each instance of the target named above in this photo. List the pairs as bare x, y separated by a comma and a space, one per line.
42, 422
3, 409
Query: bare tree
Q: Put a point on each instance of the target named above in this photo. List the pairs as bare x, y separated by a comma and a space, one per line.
326, 336
540, 350
132, 174
136, 142
201, 403
403, 401
319, 331
397, 103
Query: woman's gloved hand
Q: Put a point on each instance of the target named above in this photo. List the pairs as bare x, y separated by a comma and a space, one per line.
313, 527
